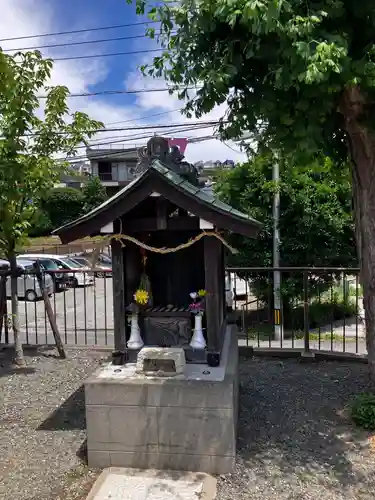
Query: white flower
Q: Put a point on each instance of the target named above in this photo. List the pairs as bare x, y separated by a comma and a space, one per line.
193, 295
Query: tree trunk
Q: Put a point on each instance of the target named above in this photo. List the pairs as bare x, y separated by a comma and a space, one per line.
18, 359
361, 141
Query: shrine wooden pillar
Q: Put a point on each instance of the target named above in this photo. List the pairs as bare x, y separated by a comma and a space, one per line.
214, 299
118, 295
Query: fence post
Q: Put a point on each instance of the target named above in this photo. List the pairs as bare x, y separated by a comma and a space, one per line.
306, 330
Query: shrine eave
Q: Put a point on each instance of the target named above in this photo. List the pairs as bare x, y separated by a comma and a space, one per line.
172, 186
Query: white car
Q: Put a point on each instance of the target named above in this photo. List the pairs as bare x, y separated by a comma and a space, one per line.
80, 275
105, 271
28, 285
228, 292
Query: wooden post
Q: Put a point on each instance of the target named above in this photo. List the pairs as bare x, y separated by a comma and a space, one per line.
133, 269
118, 295
214, 302
161, 214
223, 304
49, 310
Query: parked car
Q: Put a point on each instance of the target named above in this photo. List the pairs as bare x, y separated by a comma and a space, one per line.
105, 259
240, 288
28, 285
61, 281
228, 292
85, 262
80, 275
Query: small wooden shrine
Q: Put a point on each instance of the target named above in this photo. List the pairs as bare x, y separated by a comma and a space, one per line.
173, 233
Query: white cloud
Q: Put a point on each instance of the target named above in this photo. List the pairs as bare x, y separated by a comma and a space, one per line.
163, 101
25, 17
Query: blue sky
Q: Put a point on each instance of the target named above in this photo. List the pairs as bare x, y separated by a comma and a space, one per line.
97, 13
29, 17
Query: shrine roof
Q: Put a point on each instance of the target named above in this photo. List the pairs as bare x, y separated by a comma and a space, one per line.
201, 193
172, 186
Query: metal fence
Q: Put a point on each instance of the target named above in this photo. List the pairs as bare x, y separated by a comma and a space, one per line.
322, 309
81, 302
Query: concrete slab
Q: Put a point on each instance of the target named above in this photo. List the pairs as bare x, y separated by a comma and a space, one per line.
190, 371
187, 422
134, 484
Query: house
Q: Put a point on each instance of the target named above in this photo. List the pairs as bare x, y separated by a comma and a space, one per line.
114, 167
208, 169
79, 172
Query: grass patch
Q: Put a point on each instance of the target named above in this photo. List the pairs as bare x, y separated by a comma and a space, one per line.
363, 410
48, 241
52, 244
330, 307
45, 240
266, 333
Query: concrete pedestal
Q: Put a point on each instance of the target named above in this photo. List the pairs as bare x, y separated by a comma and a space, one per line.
187, 422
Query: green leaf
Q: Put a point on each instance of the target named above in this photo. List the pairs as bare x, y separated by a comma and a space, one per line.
28, 168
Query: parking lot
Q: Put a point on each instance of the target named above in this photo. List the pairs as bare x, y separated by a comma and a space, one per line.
84, 316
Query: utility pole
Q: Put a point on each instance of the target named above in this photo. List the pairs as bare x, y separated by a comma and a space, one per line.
278, 329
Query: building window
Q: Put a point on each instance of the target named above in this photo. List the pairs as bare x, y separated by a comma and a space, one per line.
105, 170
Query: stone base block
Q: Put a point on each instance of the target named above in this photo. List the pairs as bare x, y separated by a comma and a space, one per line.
161, 361
185, 423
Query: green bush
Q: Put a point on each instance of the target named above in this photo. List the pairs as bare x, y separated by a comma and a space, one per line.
63, 205
316, 223
94, 193
41, 224
320, 314
330, 306
363, 410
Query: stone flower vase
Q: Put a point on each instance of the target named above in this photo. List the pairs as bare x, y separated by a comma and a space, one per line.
198, 341
135, 341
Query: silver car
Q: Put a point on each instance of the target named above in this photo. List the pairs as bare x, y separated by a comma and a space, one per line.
27, 285
80, 275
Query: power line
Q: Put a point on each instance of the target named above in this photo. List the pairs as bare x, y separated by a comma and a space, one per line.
137, 119
146, 116
118, 153
137, 136
147, 127
211, 123
130, 138
114, 54
83, 42
59, 33
232, 149
120, 92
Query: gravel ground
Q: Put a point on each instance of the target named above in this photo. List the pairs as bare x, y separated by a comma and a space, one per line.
295, 438
42, 426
